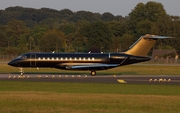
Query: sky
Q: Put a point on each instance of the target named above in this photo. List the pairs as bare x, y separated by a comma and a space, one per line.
116, 7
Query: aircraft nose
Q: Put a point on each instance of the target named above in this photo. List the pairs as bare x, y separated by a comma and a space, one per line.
12, 63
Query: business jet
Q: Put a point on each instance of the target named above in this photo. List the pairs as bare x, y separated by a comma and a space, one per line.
92, 62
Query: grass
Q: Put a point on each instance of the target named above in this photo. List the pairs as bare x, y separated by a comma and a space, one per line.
55, 97
52, 97
38, 102
99, 88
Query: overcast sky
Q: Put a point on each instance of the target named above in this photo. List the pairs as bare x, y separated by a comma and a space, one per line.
116, 7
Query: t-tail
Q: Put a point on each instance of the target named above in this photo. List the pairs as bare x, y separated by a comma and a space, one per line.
143, 45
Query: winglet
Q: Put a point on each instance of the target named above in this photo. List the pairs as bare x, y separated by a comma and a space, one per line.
143, 45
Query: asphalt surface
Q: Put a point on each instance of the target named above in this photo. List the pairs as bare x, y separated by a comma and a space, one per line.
120, 79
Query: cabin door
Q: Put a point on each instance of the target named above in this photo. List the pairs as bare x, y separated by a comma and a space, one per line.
33, 60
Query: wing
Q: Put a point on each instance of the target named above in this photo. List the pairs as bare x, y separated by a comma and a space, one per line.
94, 66
87, 66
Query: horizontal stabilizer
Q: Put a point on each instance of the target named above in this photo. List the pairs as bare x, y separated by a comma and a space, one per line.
156, 36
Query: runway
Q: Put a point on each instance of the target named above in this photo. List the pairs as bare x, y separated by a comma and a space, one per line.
120, 79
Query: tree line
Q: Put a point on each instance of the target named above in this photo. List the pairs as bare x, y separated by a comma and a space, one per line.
46, 30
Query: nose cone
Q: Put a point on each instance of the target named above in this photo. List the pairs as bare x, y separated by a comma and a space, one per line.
12, 63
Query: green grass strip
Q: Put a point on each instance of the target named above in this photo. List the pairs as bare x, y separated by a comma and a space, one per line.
56, 97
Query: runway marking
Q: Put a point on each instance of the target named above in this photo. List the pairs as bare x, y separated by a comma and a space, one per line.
121, 81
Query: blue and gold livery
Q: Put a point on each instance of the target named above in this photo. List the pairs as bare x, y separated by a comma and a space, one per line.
89, 61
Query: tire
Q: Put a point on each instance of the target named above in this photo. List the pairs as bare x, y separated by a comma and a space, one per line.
93, 73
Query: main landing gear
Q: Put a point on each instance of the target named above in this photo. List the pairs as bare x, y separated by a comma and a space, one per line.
93, 73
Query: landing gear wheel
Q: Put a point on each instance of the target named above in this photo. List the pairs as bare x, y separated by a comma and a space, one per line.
93, 73
21, 71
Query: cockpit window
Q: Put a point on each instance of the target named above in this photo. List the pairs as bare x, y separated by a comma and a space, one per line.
24, 57
18, 57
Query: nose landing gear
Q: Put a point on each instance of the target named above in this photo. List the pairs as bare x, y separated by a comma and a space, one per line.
21, 71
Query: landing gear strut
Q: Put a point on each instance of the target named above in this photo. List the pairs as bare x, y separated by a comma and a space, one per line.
93, 73
21, 71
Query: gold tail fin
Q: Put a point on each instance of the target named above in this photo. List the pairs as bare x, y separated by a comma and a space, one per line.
143, 45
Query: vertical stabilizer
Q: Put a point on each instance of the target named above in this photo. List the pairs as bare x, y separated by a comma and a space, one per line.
143, 45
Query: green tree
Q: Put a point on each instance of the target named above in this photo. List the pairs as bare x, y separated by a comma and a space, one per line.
52, 41
3, 37
118, 28
69, 42
116, 46
155, 11
5, 17
80, 24
22, 45
31, 24
143, 15
107, 16
98, 35
14, 30
80, 43
144, 27
126, 41
66, 12
168, 27
88, 16
37, 33
67, 28
31, 44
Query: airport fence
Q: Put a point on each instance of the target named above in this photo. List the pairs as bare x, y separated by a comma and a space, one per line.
165, 61
7, 57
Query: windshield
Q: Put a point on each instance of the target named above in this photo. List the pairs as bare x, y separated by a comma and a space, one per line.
22, 57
